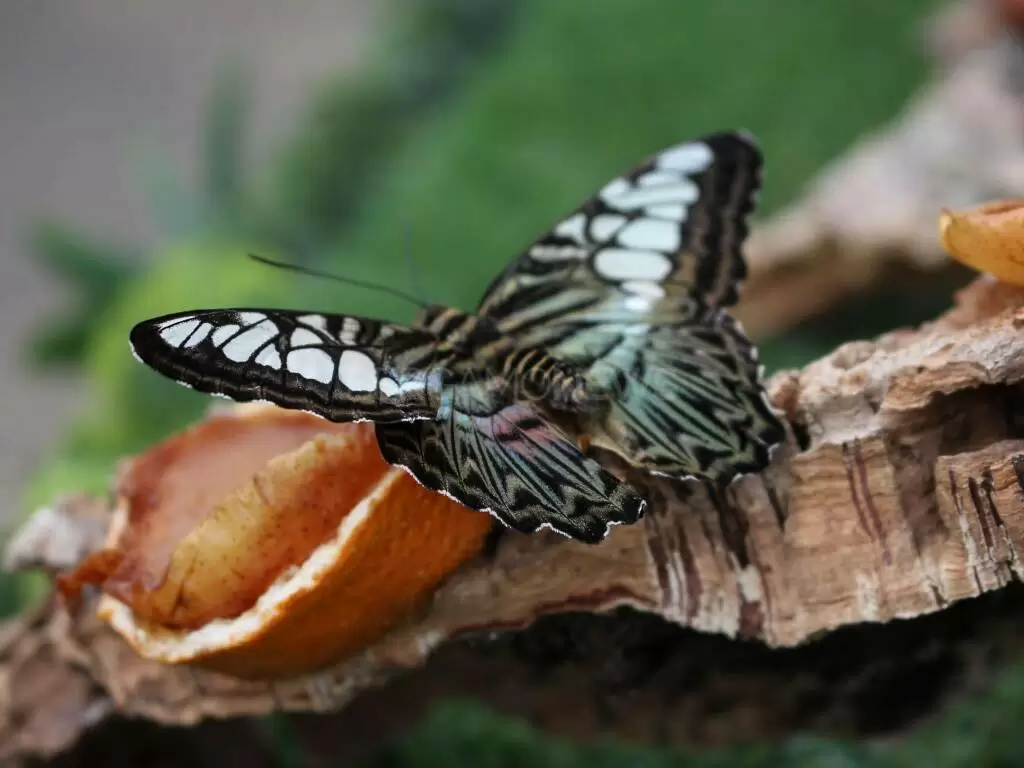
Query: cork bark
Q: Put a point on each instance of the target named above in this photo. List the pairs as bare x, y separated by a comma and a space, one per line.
899, 494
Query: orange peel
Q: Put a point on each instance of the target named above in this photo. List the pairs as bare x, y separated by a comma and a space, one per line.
266, 543
989, 238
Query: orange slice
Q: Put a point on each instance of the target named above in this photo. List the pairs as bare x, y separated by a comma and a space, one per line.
989, 238
267, 543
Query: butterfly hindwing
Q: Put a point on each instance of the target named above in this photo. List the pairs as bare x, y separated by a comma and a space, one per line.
515, 465
691, 403
340, 367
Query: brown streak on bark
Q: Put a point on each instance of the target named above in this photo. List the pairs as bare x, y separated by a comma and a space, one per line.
988, 483
1018, 468
777, 508
865, 488
854, 494
979, 509
690, 576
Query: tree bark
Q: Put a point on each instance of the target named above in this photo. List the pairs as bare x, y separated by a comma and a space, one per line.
899, 494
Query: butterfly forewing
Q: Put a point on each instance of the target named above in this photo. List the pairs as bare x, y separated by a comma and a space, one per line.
515, 465
631, 287
341, 367
673, 225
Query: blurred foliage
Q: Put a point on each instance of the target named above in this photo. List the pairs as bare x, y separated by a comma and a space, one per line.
466, 155
96, 270
345, 137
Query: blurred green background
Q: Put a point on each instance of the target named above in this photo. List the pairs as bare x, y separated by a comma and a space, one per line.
463, 131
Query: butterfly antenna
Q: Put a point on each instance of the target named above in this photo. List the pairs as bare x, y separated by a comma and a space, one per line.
338, 278
414, 272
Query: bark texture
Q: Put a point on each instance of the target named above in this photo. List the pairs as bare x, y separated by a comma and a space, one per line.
899, 494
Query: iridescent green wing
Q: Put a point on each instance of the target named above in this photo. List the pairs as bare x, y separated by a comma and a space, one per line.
688, 400
632, 289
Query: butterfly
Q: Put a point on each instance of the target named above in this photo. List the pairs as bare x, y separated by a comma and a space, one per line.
612, 328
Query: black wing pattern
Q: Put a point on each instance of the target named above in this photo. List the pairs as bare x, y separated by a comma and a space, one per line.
632, 288
515, 465
340, 367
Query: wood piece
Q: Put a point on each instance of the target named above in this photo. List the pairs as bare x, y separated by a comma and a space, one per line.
900, 494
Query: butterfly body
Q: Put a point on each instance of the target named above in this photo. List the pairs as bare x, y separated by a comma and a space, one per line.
613, 328
471, 345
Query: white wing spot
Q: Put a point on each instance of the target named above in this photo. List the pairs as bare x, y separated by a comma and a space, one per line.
673, 211
615, 188
198, 337
311, 363
315, 321
650, 233
357, 371
620, 264
223, 333
690, 158
176, 334
270, 357
389, 387
245, 344
657, 177
572, 227
303, 337
606, 225
683, 191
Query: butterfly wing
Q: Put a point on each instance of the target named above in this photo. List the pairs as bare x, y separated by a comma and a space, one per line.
672, 227
631, 288
340, 367
688, 401
458, 438
515, 465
